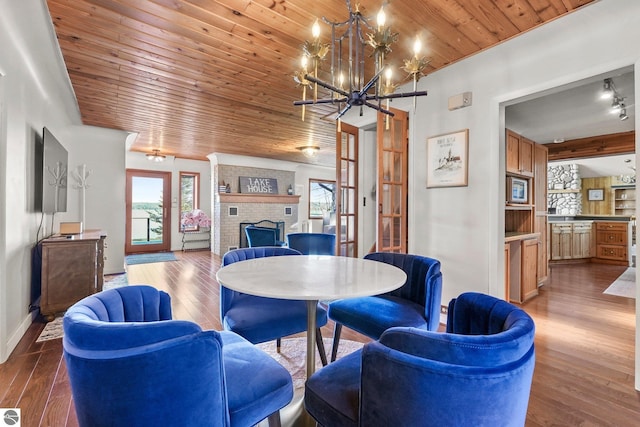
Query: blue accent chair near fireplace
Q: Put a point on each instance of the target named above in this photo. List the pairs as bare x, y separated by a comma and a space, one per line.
477, 373
262, 236
312, 243
416, 303
130, 364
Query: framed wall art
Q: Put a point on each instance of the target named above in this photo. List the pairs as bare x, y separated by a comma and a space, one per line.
596, 194
448, 159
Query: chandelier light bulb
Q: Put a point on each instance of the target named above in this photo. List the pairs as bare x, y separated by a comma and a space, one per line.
303, 62
388, 73
381, 18
315, 30
417, 47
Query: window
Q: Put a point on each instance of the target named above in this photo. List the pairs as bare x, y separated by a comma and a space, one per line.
189, 196
322, 198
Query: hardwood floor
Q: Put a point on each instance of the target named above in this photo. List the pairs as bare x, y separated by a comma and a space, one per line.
584, 371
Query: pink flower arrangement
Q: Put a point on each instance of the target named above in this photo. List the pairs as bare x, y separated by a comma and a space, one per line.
195, 218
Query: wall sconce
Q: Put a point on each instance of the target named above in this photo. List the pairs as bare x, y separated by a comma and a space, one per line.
309, 150
156, 156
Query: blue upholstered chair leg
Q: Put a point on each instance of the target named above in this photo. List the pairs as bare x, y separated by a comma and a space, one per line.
337, 330
319, 344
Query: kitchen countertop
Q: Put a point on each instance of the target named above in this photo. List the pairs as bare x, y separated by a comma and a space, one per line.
584, 218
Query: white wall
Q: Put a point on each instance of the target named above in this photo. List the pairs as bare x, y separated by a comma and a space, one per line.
174, 165
102, 151
35, 92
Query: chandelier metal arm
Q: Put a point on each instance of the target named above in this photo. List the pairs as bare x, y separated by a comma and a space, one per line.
401, 95
321, 101
326, 85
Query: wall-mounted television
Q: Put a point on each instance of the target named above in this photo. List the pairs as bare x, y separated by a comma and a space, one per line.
52, 161
517, 190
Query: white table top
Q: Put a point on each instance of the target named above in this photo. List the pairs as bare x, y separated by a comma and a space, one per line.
311, 277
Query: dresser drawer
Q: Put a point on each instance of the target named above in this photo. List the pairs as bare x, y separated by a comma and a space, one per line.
611, 252
611, 226
611, 237
582, 226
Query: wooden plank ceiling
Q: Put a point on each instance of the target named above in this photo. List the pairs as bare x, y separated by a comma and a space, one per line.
202, 76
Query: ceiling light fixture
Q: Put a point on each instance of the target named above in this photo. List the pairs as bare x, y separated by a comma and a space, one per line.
155, 156
608, 89
623, 113
309, 150
615, 105
347, 85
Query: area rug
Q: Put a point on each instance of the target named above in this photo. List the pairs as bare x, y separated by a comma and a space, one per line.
52, 330
625, 285
293, 355
115, 281
149, 258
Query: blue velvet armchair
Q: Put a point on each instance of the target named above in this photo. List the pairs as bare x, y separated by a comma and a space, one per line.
416, 303
478, 373
312, 243
261, 319
130, 364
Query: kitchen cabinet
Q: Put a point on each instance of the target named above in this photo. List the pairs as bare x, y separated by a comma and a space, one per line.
71, 269
519, 154
612, 243
521, 271
561, 241
570, 241
624, 201
581, 240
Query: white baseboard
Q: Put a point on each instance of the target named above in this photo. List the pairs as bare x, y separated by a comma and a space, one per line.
16, 336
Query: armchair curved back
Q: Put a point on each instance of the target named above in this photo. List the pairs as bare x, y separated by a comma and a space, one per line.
479, 373
261, 236
424, 282
226, 294
130, 364
312, 243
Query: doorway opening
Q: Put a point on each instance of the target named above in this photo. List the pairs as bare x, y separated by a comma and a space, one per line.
148, 196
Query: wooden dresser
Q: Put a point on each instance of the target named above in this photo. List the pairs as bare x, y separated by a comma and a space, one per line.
72, 268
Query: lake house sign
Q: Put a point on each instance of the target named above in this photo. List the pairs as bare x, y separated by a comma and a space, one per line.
258, 185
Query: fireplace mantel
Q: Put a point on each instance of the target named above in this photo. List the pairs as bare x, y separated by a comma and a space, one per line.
257, 198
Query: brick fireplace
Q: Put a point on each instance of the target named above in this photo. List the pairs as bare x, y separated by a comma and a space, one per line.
230, 209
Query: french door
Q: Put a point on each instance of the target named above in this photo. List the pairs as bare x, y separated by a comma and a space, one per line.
393, 145
148, 203
347, 190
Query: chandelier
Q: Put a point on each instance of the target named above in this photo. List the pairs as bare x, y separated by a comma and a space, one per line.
348, 86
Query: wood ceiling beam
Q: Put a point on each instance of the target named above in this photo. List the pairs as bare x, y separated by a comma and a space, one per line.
595, 146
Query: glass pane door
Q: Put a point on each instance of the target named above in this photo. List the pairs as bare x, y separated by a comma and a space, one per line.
392, 182
148, 211
347, 189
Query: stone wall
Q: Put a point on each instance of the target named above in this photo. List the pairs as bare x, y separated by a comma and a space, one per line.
564, 185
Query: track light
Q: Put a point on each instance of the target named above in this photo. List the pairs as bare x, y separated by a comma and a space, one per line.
615, 105
623, 113
607, 90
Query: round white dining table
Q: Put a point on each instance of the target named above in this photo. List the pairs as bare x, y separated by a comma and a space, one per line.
311, 278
